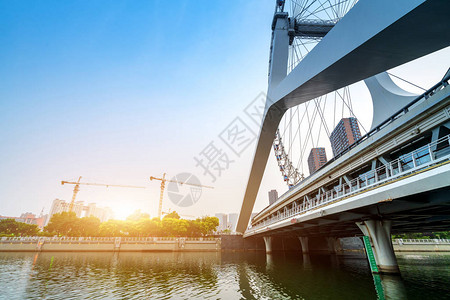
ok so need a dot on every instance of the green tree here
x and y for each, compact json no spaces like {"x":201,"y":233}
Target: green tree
{"x":88,"y":226}
{"x":441,"y":235}
{"x":65,"y":223}
{"x":132,"y":228}
{"x":423,"y":235}
{"x":172,"y":215}
{"x":195,"y":228}
{"x":10,"y":227}
{"x":112,"y":228}
{"x":209,"y":224}
{"x":137,"y":225}
{"x":174,"y":227}
{"x":149,"y":227}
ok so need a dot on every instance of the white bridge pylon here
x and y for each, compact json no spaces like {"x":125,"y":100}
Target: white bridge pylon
{"x":374,"y":36}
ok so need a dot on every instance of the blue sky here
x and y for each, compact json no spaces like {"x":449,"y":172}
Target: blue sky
{"x":117,"y":91}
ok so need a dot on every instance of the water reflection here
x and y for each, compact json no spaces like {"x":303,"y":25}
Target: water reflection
{"x":306,"y":261}
{"x":252,"y":275}
{"x":269,"y":262}
{"x":392,"y":287}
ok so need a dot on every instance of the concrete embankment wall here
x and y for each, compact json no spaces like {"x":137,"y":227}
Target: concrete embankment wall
{"x":238,"y":243}
{"x":219,"y":243}
{"x":109,"y":245}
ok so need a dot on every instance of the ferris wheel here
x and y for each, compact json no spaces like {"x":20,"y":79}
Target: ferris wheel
{"x":310,"y":21}
{"x":310,"y":125}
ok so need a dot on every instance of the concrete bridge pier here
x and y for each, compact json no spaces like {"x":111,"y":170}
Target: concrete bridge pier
{"x":304,"y":242}
{"x":331,"y":244}
{"x":268,"y":243}
{"x":379,"y":232}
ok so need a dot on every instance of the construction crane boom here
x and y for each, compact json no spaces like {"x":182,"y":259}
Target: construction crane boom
{"x":163,"y":186}
{"x":180,"y":182}
{"x":77,"y":184}
{"x":103,"y":184}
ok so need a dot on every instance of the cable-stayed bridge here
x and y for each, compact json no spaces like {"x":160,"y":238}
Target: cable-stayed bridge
{"x":396,"y":178}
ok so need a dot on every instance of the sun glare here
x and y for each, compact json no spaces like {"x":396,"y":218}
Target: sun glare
{"x":122,"y":210}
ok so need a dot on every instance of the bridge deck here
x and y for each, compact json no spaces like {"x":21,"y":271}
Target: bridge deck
{"x":409,"y":175}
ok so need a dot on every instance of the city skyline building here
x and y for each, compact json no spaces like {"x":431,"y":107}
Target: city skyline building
{"x":81,"y":210}
{"x":223,"y":221}
{"x":344,"y":134}
{"x":316,"y":159}
{"x":273,"y":196}
{"x":228,"y":221}
{"x":232,"y":221}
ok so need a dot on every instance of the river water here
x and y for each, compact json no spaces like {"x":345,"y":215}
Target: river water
{"x":218,"y":276}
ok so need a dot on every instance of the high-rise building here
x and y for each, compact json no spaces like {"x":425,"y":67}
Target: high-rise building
{"x":59,"y":206}
{"x":346,"y":133}
{"x":273,"y":196}
{"x":317,"y":158}
{"x":223,"y":222}
{"x":232,"y":221}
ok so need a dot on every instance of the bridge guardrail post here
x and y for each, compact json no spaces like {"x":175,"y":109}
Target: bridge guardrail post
{"x":117,"y":243}
{"x":39,"y":244}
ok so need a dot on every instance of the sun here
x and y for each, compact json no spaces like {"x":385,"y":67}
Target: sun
{"x":122,"y":210}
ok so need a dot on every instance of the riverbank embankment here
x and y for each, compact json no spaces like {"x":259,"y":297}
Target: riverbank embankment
{"x":182,"y":244}
{"x":108,"y":244}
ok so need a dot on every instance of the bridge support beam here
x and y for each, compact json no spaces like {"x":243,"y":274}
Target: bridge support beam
{"x":379,"y":233}
{"x":304,"y":242}
{"x":268,"y":242}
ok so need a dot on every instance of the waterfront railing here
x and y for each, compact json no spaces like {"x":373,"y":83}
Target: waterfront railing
{"x":421,"y":241}
{"x":103,"y":239}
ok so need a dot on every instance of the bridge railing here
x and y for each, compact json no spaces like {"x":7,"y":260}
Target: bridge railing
{"x":419,"y":159}
{"x":421,"y":241}
{"x":101,"y":239}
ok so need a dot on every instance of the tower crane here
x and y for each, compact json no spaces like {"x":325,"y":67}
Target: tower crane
{"x":77,"y":184}
{"x":163,"y":186}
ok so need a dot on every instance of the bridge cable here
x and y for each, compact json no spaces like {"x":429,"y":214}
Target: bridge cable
{"x":407,"y":81}
{"x":299,"y":122}
{"x":351,"y":111}
{"x":309,"y":133}
{"x":322,"y":117}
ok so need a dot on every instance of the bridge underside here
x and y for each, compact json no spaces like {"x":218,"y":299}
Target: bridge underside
{"x":423,"y":212}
